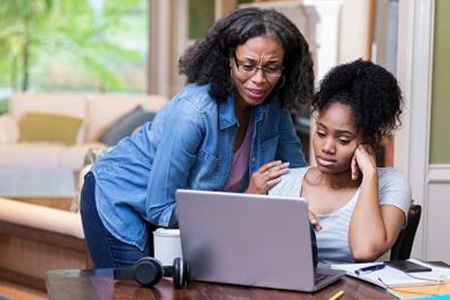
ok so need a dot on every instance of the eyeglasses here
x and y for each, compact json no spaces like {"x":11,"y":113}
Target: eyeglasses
{"x":248,"y":71}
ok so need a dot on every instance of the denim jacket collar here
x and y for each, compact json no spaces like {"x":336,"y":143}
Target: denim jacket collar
{"x":227,"y":116}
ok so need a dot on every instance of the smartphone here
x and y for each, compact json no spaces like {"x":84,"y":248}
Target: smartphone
{"x":407,"y":266}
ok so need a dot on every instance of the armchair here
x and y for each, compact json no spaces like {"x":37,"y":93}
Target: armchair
{"x":403,"y":246}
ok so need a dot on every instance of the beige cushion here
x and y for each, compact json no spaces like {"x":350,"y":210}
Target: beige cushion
{"x":74,"y":105}
{"x":98,"y":112}
{"x":30,"y":155}
{"x":45,"y":155}
{"x":66,"y":104}
{"x":113,"y":108}
{"x":9,"y":130}
{"x":73,"y":157}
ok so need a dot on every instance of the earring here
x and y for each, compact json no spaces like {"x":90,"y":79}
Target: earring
{"x":282,"y":84}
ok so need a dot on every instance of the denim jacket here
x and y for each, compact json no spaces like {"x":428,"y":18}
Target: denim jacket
{"x":189,"y":145}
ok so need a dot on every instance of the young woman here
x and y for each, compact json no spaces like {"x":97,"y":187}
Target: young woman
{"x":228,"y":129}
{"x":357,"y":209}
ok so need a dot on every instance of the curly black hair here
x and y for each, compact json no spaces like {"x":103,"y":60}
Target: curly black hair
{"x":207,"y":61}
{"x":370,"y":91}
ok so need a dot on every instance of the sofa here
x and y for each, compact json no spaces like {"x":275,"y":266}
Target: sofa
{"x":96,"y":113}
{"x":35,"y":238}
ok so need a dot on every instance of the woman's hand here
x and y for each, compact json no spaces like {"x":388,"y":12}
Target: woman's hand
{"x":314,"y":221}
{"x":266,"y":177}
{"x":363,"y":162}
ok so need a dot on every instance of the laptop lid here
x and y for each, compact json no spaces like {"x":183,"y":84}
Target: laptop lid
{"x":244,"y":239}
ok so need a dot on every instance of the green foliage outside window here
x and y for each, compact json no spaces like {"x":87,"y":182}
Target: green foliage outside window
{"x":4,"y":105}
{"x":245,"y":1}
{"x":73,"y":44}
{"x":201,"y":17}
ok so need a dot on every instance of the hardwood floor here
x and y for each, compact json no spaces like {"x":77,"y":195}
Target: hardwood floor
{"x":14,"y":291}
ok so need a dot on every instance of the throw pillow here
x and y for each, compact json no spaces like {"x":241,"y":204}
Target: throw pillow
{"x":91,"y":156}
{"x":126,"y":125}
{"x":47,"y":127}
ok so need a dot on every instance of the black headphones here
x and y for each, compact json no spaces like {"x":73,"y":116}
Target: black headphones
{"x":148,"y":271}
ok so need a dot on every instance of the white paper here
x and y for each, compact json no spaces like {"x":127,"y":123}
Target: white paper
{"x":390,"y":277}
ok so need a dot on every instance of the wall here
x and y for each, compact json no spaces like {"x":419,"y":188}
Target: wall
{"x":422,"y":71}
{"x":437,"y":240}
{"x":356,"y":29}
{"x":440,"y":108}
{"x":437,"y":235}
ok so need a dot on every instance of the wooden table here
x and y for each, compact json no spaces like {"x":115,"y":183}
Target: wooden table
{"x":98,"y":284}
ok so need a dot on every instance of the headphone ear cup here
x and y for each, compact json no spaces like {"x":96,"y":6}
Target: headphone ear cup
{"x":187,"y":272}
{"x":181,"y":273}
{"x":148,"y":271}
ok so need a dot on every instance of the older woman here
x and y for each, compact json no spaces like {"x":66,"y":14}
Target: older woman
{"x":228,"y":129}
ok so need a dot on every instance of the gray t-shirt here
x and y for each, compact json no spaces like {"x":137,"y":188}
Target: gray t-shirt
{"x":332,"y":240}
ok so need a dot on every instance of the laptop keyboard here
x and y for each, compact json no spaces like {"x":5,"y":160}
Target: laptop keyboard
{"x":319,"y":277}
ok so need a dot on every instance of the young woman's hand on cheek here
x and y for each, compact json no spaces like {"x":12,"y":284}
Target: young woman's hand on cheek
{"x":354,"y":168}
{"x":266,"y":177}
{"x":365,"y":160}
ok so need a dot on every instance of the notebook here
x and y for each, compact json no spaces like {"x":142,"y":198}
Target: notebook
{"x":252,"y":240}
{"x":389,"y":277}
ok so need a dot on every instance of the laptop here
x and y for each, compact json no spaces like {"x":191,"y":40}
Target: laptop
{"x":252,"y":240}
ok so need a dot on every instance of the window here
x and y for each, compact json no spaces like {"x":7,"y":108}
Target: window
{"x":88,"y":45}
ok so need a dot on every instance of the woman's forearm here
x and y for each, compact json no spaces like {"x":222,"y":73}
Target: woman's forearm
{"x":367,"y":232}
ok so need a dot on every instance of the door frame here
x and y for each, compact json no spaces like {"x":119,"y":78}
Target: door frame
{"x":414,"y":72}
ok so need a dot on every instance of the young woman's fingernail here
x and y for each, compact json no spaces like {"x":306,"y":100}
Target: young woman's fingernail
{"x":287,"y":164}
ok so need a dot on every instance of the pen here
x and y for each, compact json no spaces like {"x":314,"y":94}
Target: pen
{"x":337,"y":295}
{"x":369,"y":269}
